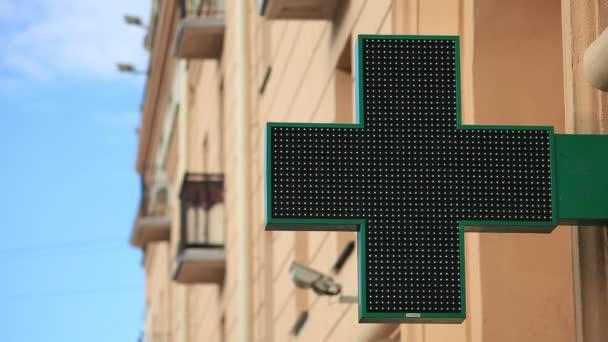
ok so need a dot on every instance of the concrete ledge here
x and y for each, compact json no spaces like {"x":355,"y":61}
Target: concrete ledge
{"x":298,"y":9}
{"x":150,"y":229}
{"x":195,"y":265}
{"x":199,"y":38}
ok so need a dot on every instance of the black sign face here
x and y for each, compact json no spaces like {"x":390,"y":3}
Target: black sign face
{"x":408,"y":176}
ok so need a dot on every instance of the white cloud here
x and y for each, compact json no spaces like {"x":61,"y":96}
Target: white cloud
{"x":27,"y":65}
{"x":7,"y":9}
{"x":50,"y":39}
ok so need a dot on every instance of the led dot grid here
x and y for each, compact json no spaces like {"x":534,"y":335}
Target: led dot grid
{"x":411,"y":174}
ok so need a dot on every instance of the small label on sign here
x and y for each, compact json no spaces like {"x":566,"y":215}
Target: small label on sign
{"x":413,"y":315}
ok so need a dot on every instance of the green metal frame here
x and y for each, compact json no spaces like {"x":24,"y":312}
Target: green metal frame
{"x":569,"y":146}
{"x":581,"y":179}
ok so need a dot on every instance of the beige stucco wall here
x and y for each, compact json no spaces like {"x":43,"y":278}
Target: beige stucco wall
{"x":519,"y":286}
{"x":304,"y":57}
{"x":511,"y":62}
{"x":517,"y":78}
{"x":156,"y":263}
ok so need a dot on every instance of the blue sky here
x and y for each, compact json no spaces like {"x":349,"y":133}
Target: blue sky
{"x":69,"y":189}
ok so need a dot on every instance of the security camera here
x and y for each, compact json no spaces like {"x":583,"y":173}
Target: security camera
{"x":305,"y":277}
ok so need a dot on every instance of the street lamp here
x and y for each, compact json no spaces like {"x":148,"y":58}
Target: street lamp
{"x":134,"y":20}
{"x":128,"y":68}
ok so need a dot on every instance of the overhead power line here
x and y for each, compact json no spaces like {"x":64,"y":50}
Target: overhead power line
{"x":63,"y":245}
{"x":75,"y":292}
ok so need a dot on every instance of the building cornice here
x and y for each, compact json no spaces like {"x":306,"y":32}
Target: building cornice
{"x":160,"y":56}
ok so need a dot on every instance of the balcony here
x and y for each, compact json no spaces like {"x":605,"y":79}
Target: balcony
{"x":150,"y":229}
{"x":298,"y":9}
{"x":153,"y":222}
{"x":200,"y":31}
{"x":200,"y":257}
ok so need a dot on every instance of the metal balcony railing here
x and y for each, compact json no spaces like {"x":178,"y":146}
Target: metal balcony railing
{"x":200,"y":257}
{"x":201,"y":8}
{"x":202,"y":211}
{"x":156,"y":205}
{"x":152,"y":222}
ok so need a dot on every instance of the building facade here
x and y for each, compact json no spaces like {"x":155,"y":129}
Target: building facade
{"x":220,"y":70}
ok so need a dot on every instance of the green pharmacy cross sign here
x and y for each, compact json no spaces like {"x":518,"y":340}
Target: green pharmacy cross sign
{"x":411,"y":178}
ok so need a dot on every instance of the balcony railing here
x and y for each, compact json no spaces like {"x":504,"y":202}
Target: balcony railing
{"x":152,"y":223}
{"x":200,"y":33}
{"x":298,"y":9}
{"x":201,"y":8}
{"x":200,"y":257}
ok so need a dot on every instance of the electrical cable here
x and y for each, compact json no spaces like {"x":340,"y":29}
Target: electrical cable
{"x":75,"y":244}
{"x":73,"y":292}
